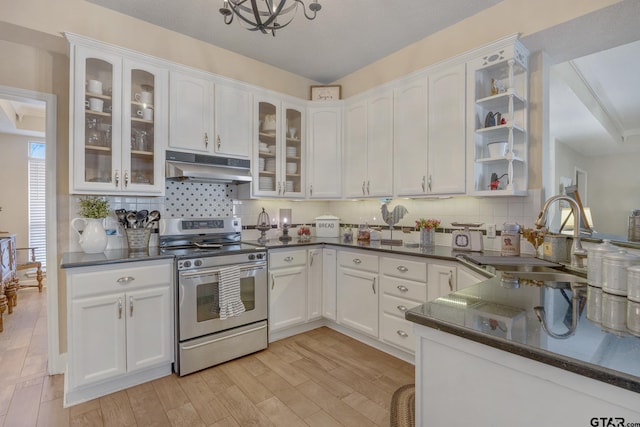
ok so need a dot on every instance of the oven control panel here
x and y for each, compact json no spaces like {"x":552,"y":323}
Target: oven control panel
{"x":221,"y":261}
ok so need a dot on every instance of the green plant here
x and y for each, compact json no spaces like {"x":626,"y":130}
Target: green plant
{"x":94,"y":207}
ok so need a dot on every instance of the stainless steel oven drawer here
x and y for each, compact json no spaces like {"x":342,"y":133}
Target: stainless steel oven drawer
{"x":204,"y":352}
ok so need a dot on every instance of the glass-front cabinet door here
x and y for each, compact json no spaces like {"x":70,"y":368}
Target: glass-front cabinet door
{"x":143,"y":128}
{"x":96,"y":108}
{"x":268,"y":150}
{"x":118,"y":124}
{"x":293,"y":152}
{"x":280,"y":151}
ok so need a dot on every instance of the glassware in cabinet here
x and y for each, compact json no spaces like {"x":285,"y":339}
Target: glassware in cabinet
{"x":142,"y":133}
{"x":268,"y":158}
{"x":293,"y":151}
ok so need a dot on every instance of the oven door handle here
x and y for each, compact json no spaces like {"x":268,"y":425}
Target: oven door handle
{"x":260,"y":266}
{"x":224,"y":338}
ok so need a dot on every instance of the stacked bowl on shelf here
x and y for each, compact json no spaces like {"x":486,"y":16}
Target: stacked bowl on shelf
{"x":292,"y":152}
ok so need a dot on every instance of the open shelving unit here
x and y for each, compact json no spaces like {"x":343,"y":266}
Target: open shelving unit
{"x":499,"y":85}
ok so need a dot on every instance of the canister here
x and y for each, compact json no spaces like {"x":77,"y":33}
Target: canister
{"x":614,"y":312}
{"x":510,"y":239}
{"x":634,"y":228}
{"x":594,"y":262}
{"x":633,"y":317}
{"x":594,"y":304}
{"x":633,"y":283}
{"x":327,"y":226}
{"x":614,"y":271}
{"x":554,"y":248}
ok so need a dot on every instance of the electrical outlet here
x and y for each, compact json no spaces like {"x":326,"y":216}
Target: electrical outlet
{"x":491,"y":231}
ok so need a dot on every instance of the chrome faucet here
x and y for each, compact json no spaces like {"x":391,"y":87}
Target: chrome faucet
{"x":576,"y":289}
{"x":577,"y":252}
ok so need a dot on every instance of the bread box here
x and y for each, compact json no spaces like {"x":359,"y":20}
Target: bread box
{"x":327,"y":226}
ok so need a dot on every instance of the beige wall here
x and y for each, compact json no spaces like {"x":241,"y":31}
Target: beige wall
{"x":14,"y":197}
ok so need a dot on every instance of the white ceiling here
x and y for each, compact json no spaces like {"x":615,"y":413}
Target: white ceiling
{"x":345,"y":36}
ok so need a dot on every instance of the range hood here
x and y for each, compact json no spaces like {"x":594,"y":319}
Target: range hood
{"x":202,"y":168}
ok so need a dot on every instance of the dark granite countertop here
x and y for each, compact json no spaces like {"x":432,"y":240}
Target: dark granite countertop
{"x":116,"y":256}
{"x":494,"y":314}
{"x":437,"y":252}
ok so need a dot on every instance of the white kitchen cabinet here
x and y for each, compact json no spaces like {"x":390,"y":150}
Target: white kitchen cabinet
{"x":287,"y":289}
{"x":279,"y":149}
{"x":324,"y":154}
{"x":209,"y":117}
{"x":429,"y":133}
{"x":467,"y":277}
{"x":368,"y":147}
{"x":119,"y":326}
{"x":358,"y":289}
{"x":498,"y":82}
{"x":118,"y":121}
{"x":441,"y":279}
{"x":315,"y":277}
{"x":329,"y":283}
{"x":446,"y":131}
{"x":403,"y":285}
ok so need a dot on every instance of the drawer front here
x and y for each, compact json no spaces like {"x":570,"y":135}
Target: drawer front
{"x":92,"y":280}
{"x":397,"y":306}
{"x":399,"y":332}
{"x":410,"y":270}
{"x":404,"y":288}
{"x":358,"y":261}
{"x":287,"y":259}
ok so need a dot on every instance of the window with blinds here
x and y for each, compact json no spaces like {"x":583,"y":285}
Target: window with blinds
{"x":37,"y":199}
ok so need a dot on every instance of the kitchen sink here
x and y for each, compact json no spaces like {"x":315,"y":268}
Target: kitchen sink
{"x":540,"y":276}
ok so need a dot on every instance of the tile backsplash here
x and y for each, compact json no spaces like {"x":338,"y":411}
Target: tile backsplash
{"x":189,"y":199}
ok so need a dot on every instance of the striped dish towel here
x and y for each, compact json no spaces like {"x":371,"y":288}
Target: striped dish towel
{"x":229,"y":292}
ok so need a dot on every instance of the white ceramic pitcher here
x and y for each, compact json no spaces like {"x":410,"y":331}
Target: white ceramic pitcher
{"x":93,"y":238}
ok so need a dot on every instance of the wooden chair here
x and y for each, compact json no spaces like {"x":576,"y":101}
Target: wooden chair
{"x":29,"y":265}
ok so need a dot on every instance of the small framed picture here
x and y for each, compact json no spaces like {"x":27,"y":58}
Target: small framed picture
{"x":326,"y":93}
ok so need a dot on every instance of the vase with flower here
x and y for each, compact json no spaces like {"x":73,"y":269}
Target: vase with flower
{"x":427,"y":229}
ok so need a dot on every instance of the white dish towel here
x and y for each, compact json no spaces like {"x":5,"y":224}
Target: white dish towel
{"x":229,"y":292}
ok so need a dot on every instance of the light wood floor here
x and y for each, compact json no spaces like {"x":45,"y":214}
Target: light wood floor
{"x":319,"y":378}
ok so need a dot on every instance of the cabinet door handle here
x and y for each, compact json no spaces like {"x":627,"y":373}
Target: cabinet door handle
{"x":402,"y":288}
{"x":219,"y":142}
{"x":357,"y":261}
{"x":206,"y":140}
{"x":288,"y":259}
{"x":130,"y":306}
{"x":279,"y":187}
{"x":117,"y":178}
{"x":402,"y":269}
{"x":403,"y":334}
{"x":373,"y":285}
{"x":368,"y":187}
{"x":311,"y":255}
{"x":273,"y":282}
{"x":429,"y":183}
{"x":311,"y":190}
{"x":125,"y":280}
{"x":126,"y":178}
{"x":424,"y":179}
{"x":284,"y":188}
{"x":402,"y":308}
{"x":451,"y":280}
{"x":363,"y":193}
{"x":119,"y":308}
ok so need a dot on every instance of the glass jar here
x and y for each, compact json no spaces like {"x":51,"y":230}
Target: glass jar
{"x":510,"y":239}
{"x":594,"y":262}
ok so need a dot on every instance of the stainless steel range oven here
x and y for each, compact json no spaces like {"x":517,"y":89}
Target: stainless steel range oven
{"x":203,"y":247}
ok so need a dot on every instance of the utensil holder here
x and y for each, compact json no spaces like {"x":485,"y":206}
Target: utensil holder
{"x":138,"y":238}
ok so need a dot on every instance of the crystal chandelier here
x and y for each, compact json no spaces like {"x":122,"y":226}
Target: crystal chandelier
{"x":266,"y":15}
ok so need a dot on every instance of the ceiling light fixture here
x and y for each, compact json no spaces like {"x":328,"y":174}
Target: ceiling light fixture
{"x":263,"y":15}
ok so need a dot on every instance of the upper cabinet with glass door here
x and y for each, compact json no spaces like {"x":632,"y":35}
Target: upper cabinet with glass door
{"x":278,"y":160}
{"x":118,"y":122}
